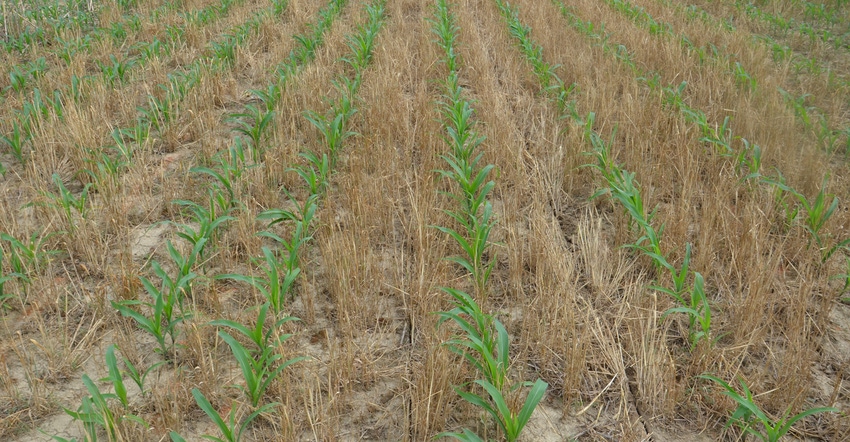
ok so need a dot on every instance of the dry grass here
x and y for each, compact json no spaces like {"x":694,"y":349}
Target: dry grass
{"x":578,"y":307}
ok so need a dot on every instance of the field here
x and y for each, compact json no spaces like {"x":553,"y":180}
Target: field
{"x":590,"y":220}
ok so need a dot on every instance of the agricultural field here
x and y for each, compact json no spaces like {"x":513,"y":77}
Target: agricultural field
{"x":400,"y":220}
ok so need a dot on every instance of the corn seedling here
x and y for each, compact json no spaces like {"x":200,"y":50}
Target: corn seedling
{"x":28,"y":258}
{"x":231,"y":166}
{"x":130,"y":370}
{"x":231,"y":430}
{"x":208,"y":221}
{"x":17,"y":79}
{"x":270,"y":97}
{"x":167,"y":300}
{"x":300,"y":235}
{"x":697,"y":308}
{"x":475,"y":243}
{"x":115,"y":376}
{"x":259,"y":366}
{"x":817,"y":213}
{"x":748,"y":162}
{"x":115,"y":71}
{"x":798,"y":104}
{"x":486,"y":347}
{"x":67,"y":202}
{"x":4,"y":278}
{"x":94,"y":411}
{"x":332,"y":128}
{"x":17,"y":139}
{"x":360,"y":45}
{"x":279,"y":6}
{"x":225,"y":51}
{"x":252,"y":123}
{"x":747,"y":416}
{"x":274,"y":286}
{"x":316,"y":174}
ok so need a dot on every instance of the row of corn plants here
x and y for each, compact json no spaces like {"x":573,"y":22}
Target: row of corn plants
{"x":26,"y":24}
{"x":717,"y":136}
{"x":747,"y":157}
{"x":263,"y":364}
{"x":27,"y":119}
{"x":709,"y":52}
{"x":800,"y":61}
{"x":622,"y":187}
{"x":280,"y":274}
{"x":812,"y":118}
{"x":162,"y":109}
{"x":784,"y":26}
{"x":259,"y":365}
{"x":484,"y":342}
{"x":66,"y":50}
{"x":252,"y":122}
{"x":621,"y":184}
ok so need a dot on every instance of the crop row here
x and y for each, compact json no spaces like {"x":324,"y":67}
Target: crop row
{"x":38,"y":23}
{"x":812,"y":118}
{"x":21,"y":138}
{"x":816,"y":11}
{"x":117,"y":70}
{"x":692,"y":298}
{"x":483,"y":342}
{"x":261,"y":362}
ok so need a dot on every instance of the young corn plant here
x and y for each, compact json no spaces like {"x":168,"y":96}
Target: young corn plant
{"x":231,"y":429}
{"x":333,"y":129}
{"x":95,"y":412}
{"x":301,"y":219}
{"x":752,"y":421}
{"x":697,"y":308}
{"x":817,"y":213}
{"x":166,"y":309}
{"x":208,"y":220}
{"x":316,"y":173}
{"x":17,"y":139}
{"x":276,"y":284}
{"x":252,"y":123}
{"x":485,"y":345}
{"x":67,"y":202}
{"x":136,"y":375}
{"x":260,"y":366}
{"x":115,"y":71}
{"x":28,"y":257}
{"x":5,"y":296}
